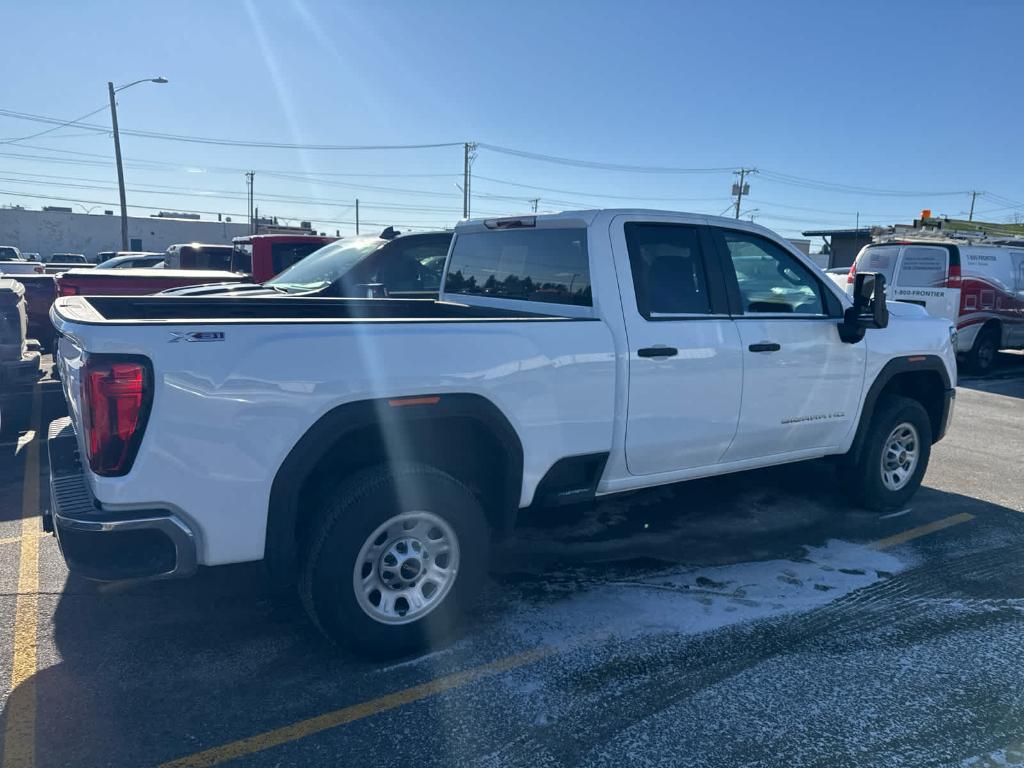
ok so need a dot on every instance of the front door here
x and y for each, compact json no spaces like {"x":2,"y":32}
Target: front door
{"x":685,"y":366}
{"x":801,"y":382}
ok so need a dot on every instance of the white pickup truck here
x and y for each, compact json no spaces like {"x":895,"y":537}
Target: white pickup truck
{"x":370,"y":447}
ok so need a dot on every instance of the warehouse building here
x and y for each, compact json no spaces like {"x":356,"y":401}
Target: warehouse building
{"x":60,"y":230}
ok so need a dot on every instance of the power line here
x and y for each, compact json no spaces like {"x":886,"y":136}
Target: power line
{"x":597,"y":194}
{"x":225,"y":142}
{"x":799,"y":181}
{"x":595,"y":164}
{"x":55,"y":128}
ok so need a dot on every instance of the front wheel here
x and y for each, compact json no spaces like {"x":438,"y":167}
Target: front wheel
{"x":982,"y":357}
{"x":894,"y":455}
{"x":396,"y":556}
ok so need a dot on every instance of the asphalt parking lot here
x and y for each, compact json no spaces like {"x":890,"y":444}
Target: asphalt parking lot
{"x":748,"y":620}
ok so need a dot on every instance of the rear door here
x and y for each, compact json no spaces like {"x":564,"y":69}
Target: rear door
{"x":685,"y":365}
{"x":801,"y":383}
{"x":922,"y":277}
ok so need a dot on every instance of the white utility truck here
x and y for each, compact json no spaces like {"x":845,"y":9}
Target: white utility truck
{"x":976,"y":283}
{"x":368,"y":448}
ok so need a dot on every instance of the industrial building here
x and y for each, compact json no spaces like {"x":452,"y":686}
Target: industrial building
{"x":60,"y":230}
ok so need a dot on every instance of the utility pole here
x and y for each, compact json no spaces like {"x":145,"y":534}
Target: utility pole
{"x":858,"y":221}
{"x":970,"y":217}
{"x":250,"y":182}
{"x":742,"y":188}
{"x":357,"y":215}
{"x":535,"y":201}
{"x":469,"y":152}
{"x":120,"y":168}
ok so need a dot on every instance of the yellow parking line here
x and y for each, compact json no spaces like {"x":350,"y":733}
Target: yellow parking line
{"x":304,"y":728}
{"x":20,"y":731}
{"x":921,"y":530}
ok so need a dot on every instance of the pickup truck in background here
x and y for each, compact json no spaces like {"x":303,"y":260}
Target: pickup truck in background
{"x":263,"y":256}
{"x":368,"y":448}
{"x":13,"y":263}
{"x":390,"y":264}
{"x":56,"y":263}
{"x":203,"y":256}
{"x":138,"y":281}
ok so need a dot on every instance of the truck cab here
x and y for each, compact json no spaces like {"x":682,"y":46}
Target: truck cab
{"x":264,"y":256}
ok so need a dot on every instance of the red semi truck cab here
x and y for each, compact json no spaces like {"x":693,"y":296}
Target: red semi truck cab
{"x":263,"y":256}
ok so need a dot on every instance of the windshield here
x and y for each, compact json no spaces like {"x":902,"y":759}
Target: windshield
{"x":326,"y":265}
{"x":8,"y":254}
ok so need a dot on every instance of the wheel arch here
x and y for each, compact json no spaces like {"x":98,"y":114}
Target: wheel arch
{"x":464,"y":434}
{"x":920,"y":377}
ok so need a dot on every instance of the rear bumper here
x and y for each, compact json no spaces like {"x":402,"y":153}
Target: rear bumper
{"x":109,"y":546}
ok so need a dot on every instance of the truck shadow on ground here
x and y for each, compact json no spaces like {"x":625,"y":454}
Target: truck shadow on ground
{"x":149,"y":672}
{"x":1005,"y":379}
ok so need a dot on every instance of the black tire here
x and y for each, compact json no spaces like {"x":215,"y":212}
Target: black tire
{"x":348,"y":516}
{"x":864,"y":473}
{"x":982,"y":357}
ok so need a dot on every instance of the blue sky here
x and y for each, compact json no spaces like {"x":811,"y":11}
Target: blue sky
{"x":904,"y":96}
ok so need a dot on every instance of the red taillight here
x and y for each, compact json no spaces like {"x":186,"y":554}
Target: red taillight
{"x":953,"y":281}
{"x":114,"y":410}
{"x":851,"y":274}
{"x":65,"y":290}
{"x":38,"y":270}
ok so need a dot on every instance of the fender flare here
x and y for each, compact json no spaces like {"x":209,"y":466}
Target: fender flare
{"x":281,"y":547}
{"x":892,"y":369}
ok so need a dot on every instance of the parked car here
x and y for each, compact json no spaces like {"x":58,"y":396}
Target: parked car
{"x":31,"y":256}
{"x":198,"y":256}
{"x":136,"y":281}
{"x":132,"y":260}
{"x":263,"y":256}
{"x":977,"y":285}
{"x":12,"y":262}
{"x":366,"y":447}
{"x":19,"y":362}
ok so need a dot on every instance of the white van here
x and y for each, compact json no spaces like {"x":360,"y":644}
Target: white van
{"x":979,"y":286}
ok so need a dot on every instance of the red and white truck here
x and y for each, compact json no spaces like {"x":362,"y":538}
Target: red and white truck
{"x":976,"y":283}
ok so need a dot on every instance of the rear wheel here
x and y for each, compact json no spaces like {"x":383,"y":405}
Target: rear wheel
{"x":982,"y":357}
{"x":396,"y":556}
{"x":894,"y":455}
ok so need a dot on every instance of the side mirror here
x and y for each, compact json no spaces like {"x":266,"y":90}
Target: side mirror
{"x":869,"y":309}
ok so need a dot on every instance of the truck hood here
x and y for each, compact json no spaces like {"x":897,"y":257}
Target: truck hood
{"x":904,"y":309}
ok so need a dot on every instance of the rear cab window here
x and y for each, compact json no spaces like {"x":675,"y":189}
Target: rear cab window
{"x":543,"y":265}
{"x":669,"y":276}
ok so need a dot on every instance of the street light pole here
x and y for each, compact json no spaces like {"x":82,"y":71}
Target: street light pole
{"x":120,"y":168}
{"x":117,"y":151}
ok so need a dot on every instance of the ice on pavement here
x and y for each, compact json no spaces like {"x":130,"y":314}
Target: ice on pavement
{"x":695,"y":600}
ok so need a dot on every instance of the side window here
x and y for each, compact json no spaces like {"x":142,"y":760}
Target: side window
{"x":668,"y":270}
{"x":545,"y":265}
{"x":415,"y":266}
{"x":771,"y":280}
{"x":922,"y":267}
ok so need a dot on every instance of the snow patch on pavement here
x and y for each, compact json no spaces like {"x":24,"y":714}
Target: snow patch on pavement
{"x":696,"y":600}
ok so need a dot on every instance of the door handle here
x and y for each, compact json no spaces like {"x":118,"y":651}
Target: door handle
{"x":657,"y":352}
{"x":765,"y":346}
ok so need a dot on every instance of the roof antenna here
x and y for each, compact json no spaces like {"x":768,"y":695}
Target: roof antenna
{"x":389,"y":234}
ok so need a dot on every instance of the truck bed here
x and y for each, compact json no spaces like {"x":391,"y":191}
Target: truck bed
{"x":98,"y":310}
